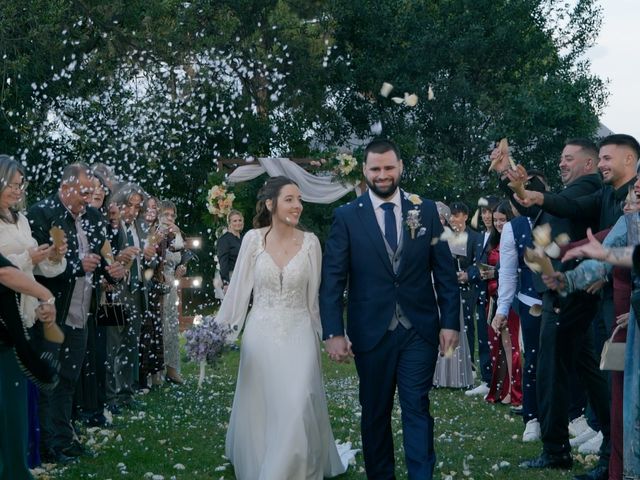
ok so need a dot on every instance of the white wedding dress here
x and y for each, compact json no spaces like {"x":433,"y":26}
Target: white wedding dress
{"x":279,"y":427}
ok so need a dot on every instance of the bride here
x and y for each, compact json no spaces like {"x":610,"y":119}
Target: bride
{"x":279,"y":427}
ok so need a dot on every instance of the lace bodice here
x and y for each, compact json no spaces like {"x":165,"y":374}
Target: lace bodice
{"x":280,"y":296}
{"x":281,"y":288}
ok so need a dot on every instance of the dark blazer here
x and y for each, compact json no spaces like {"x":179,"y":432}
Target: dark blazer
{"x":480,"y":256}
{"x":227,"y":249}
{"x":468,"y":263}
{"x":356,"y":257}
{"x":51,"y":212}
{"x":584,"y":186}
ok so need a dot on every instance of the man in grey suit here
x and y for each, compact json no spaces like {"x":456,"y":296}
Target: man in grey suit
{"x":123,"y":341}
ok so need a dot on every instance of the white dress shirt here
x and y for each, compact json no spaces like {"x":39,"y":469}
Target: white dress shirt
{"x":508,"y":273}
{"x":377,"y":202}
{"x":136,"y":243}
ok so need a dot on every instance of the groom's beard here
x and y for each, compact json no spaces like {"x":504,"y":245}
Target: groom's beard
{"x":385,"y":192}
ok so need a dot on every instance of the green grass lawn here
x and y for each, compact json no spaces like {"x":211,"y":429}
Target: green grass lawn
{"x":180,"y":433}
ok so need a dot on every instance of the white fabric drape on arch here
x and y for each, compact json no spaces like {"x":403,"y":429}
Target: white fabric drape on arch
{"x":314,"y":189}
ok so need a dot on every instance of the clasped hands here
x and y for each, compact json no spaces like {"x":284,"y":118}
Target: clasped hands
{"x":339,"y":348}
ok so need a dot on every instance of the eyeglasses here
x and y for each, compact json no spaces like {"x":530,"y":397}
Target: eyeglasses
{"x":18,"y":186}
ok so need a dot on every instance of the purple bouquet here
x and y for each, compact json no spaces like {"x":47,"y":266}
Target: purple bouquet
{"x":206,"y":339}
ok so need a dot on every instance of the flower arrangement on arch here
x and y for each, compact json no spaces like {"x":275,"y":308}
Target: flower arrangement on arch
{"x":344,"y":167}
{"x":219,"y":201}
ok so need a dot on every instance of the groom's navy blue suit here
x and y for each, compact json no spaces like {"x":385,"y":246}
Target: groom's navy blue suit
{"x":356,"y":257}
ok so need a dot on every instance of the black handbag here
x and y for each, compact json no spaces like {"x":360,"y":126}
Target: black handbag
{"x":110,"y":314}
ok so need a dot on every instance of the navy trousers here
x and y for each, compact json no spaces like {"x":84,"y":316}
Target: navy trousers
{"x":404,"y":360}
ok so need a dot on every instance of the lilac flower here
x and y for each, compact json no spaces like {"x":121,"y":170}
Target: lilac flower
{"x":206,"y":340}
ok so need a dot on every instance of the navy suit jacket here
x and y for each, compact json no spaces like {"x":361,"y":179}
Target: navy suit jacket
{"x":481,"y":254}
{"x":355,"y":257}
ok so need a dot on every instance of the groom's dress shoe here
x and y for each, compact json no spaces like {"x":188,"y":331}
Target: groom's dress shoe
{"x":549,"y":460}
{"x":599,"y":472}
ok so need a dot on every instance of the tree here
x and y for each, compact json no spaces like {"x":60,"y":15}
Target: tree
{"x":160,"y":90}
{"x":498,"y":68}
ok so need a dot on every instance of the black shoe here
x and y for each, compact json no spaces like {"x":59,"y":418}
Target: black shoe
{"x":516,"y":410}
{"x":74,"y":449}
{"x":133,"y":405}
{"x":549,"y":460}
{"x":114,"y":409}
{"x":56,"y":456}
{"x":599,"y":472}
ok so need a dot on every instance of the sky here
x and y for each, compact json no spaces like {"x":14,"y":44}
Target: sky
{"x":616,"y":57}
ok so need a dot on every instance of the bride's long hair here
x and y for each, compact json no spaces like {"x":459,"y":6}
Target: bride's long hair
{"x":269,"y":191}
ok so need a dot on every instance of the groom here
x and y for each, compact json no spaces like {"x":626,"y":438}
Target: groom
{"x":383,"y":247}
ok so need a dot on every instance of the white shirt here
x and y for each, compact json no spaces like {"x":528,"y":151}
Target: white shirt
{"x":508,"y":273}
{"x":15,"y":241}
{"x":131,"y":228}
{"x":377,"y":202}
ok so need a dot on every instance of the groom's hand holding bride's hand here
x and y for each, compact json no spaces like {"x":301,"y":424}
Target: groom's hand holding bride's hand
{"x":448,"y":341}
{"x":338,"y":348}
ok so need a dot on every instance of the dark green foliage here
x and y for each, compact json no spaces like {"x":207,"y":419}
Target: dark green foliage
{"x":161,"y":90}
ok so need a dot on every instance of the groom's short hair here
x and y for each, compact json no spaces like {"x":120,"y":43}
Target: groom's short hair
{"x":381,"y":145}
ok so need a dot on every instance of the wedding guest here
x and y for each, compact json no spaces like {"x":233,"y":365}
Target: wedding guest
{"x":279,"y":426}
{"x":22,"y":250}
{"x":136,"y":254}
{"x":516,"y":289}
{"x":486,"y":205}
{"x":84,"y":228}
{"x":618,"y":156}
{"x":105,"y":172}
{"x":506,"y":378}
{"x":454,"y":371}
{"x":38,"y":366}
{"x":150,"y":213}
{"x":465,"y":259}
{"x":608,"y":257}
{"x":151,"y":349}
{"x":173,"y":270}
{"x":89,"y":400}
{"x":565,"y":321}
{"x":100,"y":192}
{"x":112,"y":295}
{"x":228,"y":246}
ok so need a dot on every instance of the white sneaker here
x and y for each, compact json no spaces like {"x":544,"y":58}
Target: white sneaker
{"x":481,"y":389}
{"x":531,"y":431}
{"x":585,"y":436}
{"x":591,"y":446}
{"x":577,"y":426}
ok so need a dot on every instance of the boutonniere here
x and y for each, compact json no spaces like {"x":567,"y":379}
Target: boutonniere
{"x":413,"y":215}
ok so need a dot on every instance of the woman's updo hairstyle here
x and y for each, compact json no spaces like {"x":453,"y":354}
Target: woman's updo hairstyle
{"x":233,"y":213}
{"x":269,"y":191}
